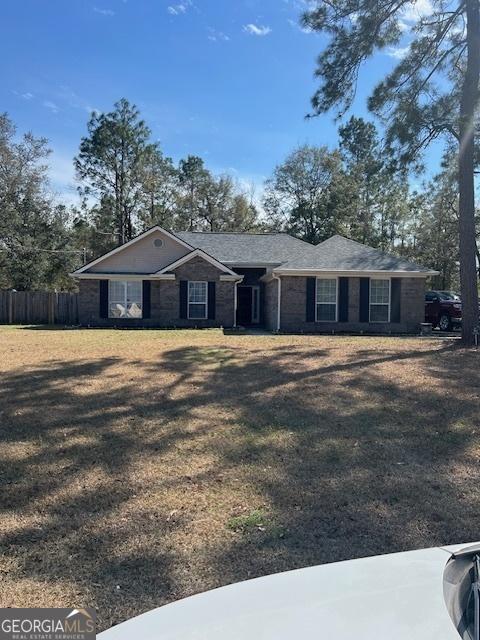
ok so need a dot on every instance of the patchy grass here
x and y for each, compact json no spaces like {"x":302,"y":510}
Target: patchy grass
{"x":248,"y":522}
{"x":139,"y":467}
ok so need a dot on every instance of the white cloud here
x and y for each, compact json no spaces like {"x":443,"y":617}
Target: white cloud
{"x":180,"y":8}
{"x":48,"y":104}
{"x":176,"y":9}
{"x":216,"y":36}
{"x":26,"y":96}
{"x":410,"y":14}
{"x":104,"y":12}
{"x":256,"y":30}
{"x":398,"y":52}
{"x":417,"y":9}
{"x":414,"y":11}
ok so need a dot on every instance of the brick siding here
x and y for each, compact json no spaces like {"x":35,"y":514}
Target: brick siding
{"x":293,"y":309}
{"x":271,"y":298}
{"x":164,"y":300}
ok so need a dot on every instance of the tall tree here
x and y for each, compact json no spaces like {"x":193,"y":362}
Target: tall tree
{"x":223,"y":207}
{"x":34,"y":242}
{"x":394,"y":213}
{"x":379,"y":203}
{"x":242,"y":214}
{"x":307,"y":193}
{"x":360,"y":151}
{"x":192,"y":176}
{"x":207,"y":202}
{"x":214,"y":197}
{"x":433,"y":91}
{"x":159,"y":189}
{"x":437,"y":229}
{"x":93,"y":227}
{"x":110,"y":163}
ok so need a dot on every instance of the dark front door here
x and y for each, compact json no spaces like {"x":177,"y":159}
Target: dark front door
{"x":244,"y":306}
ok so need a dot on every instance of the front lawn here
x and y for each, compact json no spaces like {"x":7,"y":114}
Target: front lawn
{"x":139,"y":467}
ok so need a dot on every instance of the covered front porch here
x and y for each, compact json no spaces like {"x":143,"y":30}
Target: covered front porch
{"x":250,"y":297}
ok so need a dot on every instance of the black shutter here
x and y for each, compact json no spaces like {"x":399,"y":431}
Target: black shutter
{"x":311,"y":290}
{"x":343,"y":299}
{"x":364,"y":299}
{"x":183,"y":298}
{"x":396,"y":284}
{"x":103,"y":297}
{"x":146,"y":298}
{"x":211,"y":300}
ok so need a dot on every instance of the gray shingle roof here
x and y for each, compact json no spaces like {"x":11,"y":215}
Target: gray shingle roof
{"x":286,"y":252}
{"x":341,"y":254}
{"x":247,"y":248}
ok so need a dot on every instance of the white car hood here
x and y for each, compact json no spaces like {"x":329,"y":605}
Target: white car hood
{"x":397,"y":596}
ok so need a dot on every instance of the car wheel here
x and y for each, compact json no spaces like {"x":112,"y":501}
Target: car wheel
{"x":445,"y":323}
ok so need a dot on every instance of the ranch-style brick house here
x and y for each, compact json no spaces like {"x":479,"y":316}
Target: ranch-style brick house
{"x":270,"y":280}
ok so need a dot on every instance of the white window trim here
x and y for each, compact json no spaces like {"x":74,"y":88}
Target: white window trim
{"x":205,"y":282}
{"x":379,"y":304}
{"x":336,"y":298}
{"x":125,"y":297}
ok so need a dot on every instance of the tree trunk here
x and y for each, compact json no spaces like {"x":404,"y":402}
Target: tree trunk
{"x":468,"y":105}
{"x":119,"y":239}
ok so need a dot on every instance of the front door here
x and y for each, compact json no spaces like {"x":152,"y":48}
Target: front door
{"x":244,"y":306}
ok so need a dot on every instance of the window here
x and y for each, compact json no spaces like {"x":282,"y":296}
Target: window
{"x":326,"y":300}
{"x":197,"y":300}
{"x":379,"y":300}
{"x":125,"y":299}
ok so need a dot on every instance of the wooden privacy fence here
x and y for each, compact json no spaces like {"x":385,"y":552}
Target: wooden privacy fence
{"x":38,"y":307}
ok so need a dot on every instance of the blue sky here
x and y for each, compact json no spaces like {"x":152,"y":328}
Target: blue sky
{"x":229,"y":80}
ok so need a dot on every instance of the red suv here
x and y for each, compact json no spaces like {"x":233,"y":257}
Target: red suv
{"x":443,"y":309}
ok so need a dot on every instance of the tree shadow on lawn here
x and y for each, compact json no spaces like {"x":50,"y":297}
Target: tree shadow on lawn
{"x":64,"y":481}
{"x":105,"y":466}
{"x":350,"y":462}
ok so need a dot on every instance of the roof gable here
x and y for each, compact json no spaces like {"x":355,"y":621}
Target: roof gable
{"x":140,"y":255}
{"x":193,"y":254}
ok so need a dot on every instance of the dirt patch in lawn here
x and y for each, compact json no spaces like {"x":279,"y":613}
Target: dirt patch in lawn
{"x":141,"y":467}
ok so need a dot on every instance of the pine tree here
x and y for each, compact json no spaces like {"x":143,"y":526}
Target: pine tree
{"x":432,"y":92}
{"x":110,"y":163}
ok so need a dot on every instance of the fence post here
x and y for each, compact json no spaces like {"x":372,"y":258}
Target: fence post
{"x":51,"y":308}
{"x":10,"y":307}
